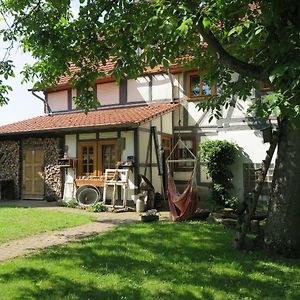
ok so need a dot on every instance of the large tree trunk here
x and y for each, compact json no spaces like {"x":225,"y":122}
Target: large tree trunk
{"x":282,"y":233}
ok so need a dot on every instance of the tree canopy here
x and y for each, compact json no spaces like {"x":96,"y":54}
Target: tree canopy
{"x":258,"y":40}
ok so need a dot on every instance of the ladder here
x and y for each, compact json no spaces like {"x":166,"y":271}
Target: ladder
{"x":154,"y":136}
{"x":248,"y":211}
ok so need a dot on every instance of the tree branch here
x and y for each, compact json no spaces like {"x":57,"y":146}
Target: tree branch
{"x":233,"y":63}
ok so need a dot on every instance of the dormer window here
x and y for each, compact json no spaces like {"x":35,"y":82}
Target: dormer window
{"x":198,"y":89}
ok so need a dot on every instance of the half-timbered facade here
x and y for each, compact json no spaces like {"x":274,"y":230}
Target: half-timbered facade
{"x":157,"y":107}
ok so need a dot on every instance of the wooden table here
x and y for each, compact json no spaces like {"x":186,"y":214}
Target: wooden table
{"x":95,"y":182}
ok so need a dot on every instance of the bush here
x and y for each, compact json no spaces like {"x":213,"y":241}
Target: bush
{"x":71,"y":203}
{"x":97,"y":207}
{"x":218,"y":156}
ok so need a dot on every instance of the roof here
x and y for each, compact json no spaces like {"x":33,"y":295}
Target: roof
{"x":106,"y":69}
{"x":120,"y":117}
{"x":109,"y":67}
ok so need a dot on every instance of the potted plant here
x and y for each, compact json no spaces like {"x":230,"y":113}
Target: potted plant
{"x":150,"y":216}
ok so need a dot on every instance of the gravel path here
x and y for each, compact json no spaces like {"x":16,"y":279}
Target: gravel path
{"x":103,"y":223}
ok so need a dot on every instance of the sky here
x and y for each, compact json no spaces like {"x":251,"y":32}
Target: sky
{"x":22,"y":104}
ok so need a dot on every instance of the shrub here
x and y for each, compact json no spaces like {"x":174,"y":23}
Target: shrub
{"x":71,"y":203}
{"x":218,"y":156}
{"x":97,"y":207}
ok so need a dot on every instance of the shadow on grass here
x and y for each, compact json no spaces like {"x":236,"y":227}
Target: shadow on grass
{"x":152,"y":261}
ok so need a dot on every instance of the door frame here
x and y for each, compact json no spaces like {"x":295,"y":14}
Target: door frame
{"x":32,"y":196}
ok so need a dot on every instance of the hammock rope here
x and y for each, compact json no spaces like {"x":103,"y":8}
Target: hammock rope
{"x":182,"y":206}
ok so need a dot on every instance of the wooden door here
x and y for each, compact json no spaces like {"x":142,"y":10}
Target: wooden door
{"x":33,"y":173}
{"x":108,"y":155}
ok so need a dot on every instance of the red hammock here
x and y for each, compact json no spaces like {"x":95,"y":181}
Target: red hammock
{"x":182,"y":206}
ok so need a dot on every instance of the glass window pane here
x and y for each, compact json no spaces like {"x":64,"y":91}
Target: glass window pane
{"x":206,"y":90}
{"x":195,"y":86}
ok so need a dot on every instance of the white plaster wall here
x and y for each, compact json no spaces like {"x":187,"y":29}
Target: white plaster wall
{"x":129,"y":144}
{"x":156,"y":180}
{"x":196,"y":116}
{"x":108,"y":93}
{"x":240,"y":109}
{"x":250,"y":141}
{"x":129,"y":151}
{"x":156,"y":122}
{"x":178,"y":115}
{"x":70,"y":142}
{"x":74,"y":94}
{"x":143,"y":145}
{"x":58,"y":101}
{"x":138,"y":89}
{"x":161,"y":87}
{"x":108,"y":135}
{"x":145,"y":125}
{"x":87,"y":136}
{"x":178,"y":80}
{"x":250,"y":149}
{"x":167,"y":126}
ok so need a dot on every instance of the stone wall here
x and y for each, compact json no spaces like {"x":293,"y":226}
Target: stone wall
{"x":10,"y":165}
{"x":53,"y":173}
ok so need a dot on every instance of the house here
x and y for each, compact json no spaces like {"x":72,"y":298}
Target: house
{"x":136,"y":121}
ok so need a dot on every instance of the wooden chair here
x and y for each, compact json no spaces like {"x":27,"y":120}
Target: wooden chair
{"x":114,"y":178}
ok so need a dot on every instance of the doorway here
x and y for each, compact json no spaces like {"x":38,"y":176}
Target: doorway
{"x":33,"y":173}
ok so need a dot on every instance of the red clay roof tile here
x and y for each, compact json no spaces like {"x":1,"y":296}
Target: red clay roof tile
{"x":121,"y":116}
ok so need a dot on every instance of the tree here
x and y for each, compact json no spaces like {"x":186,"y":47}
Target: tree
{"x":259,"y":40}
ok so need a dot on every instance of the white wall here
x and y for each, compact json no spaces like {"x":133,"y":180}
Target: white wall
{"x":108,"y":135}
{"x":251,"y":149}
{"x":161,"y":87}
{"x":167,"y":126}
{"x":108,"y":93}
{"x":58,"y":101}
{"x":70,"y":142}
{"x":74,"y":94}
{"x":138,"y":89}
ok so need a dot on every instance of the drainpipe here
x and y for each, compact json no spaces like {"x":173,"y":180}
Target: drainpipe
{"x":172,"y":85}
{"x":47,"y":109}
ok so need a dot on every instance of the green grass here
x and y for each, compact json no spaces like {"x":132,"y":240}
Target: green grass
{"x":16,"y":223}
{"x":152,"y":261}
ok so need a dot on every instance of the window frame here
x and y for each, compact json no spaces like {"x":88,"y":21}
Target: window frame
{"x":178,"y":168}
{"x":213,"y":88}
{"x":80,"y":161}
{"x":97,"y":155}
{"x":100,"y":153}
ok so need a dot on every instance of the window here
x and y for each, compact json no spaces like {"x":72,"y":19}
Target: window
{"x":183,"y":153}
{"x":108,"y":155}
{"x":264,"y":86}
{"x":166,"y":145}
{"x":94,"y":157}
{"x":87,"y":159}
{"x":197,"y":88}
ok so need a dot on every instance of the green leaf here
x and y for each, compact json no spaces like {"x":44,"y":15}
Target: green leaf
{"x":206,"y":22}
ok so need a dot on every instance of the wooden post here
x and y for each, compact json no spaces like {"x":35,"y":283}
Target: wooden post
{"x":251,"y":207}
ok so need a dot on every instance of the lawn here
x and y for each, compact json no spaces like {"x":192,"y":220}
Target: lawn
{"x":16,"y":222}
{"x":152,"y":261}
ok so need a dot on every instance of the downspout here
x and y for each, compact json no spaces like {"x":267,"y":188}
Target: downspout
{"x":172,"y":85}
{"x":47,"y":109}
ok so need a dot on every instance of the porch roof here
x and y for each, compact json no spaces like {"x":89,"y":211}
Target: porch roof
{"x":121,"y":117}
